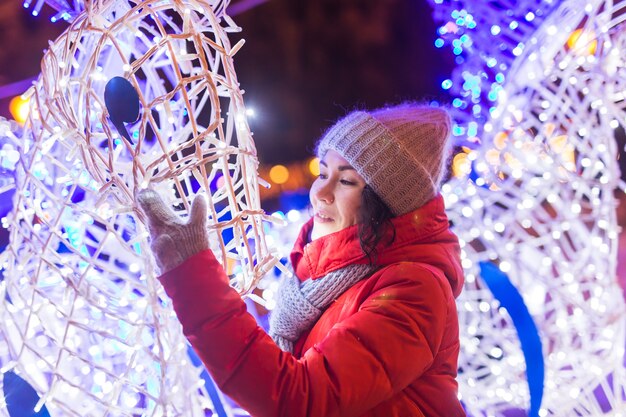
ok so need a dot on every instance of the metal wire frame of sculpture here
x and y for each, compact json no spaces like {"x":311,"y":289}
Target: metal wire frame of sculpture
{"x":83,"y":319}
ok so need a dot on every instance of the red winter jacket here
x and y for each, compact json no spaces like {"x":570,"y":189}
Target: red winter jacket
{"x":386,"y":347}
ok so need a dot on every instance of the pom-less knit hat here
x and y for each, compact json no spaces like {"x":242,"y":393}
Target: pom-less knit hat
{"x":400,"y":151}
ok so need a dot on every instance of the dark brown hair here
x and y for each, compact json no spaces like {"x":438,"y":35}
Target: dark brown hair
{"x":374,"y":224}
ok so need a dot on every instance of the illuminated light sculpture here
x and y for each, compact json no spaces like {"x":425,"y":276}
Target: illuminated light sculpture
{"x":537,"y":202}
{"x":83,"y":319}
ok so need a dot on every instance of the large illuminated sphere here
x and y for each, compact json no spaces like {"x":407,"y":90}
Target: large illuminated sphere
{"x":83,"y":319}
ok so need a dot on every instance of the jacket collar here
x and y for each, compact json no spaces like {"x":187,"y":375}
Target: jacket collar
{"x":317,"y":258}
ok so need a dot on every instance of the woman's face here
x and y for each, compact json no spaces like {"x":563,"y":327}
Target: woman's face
{"x":335,"y":195}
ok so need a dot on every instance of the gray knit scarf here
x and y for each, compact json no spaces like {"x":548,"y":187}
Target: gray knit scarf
{"x":299,"y":305}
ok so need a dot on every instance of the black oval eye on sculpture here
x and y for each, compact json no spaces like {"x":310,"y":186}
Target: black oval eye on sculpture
{"x":122,"y":102}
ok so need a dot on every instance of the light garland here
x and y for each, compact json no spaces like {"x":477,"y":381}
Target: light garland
{"x":282,"y":238}
{"x":540,"y":204}
{"x":486,"y":39}
{"x":83,"y":319}
{"x":68,"y":10}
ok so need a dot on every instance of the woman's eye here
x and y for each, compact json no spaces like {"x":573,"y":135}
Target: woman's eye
{"x":347,"y":182}
{"x":322,"y":176}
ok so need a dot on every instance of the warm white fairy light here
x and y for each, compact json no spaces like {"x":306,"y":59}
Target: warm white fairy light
{"x":9,"y":154}
{"x":82,"y":289}
{"x":549,"y":198}
{"x":281,"y":236}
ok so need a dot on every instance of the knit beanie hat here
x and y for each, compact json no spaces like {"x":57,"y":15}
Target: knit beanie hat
{"x":400,"y":151}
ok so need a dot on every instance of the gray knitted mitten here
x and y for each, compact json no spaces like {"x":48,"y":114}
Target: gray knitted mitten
{"x":172,"y":239}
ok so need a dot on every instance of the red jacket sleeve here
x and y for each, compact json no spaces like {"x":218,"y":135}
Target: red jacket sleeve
{"x":363,"y":361}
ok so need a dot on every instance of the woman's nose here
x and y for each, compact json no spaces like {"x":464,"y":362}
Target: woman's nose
{"x":324,"y":192}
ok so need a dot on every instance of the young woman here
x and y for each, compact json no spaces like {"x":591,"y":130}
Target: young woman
{"x":367,"y":326}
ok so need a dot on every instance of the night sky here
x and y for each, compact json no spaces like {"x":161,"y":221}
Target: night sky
{"x":304,"y":64}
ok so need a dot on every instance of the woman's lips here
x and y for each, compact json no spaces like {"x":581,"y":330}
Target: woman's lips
{"x":322,"y":218}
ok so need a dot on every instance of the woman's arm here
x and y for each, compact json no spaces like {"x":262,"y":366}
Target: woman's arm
{"x":363,"y":361}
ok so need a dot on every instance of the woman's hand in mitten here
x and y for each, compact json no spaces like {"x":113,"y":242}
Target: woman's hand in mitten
{"x":173,"y":240}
